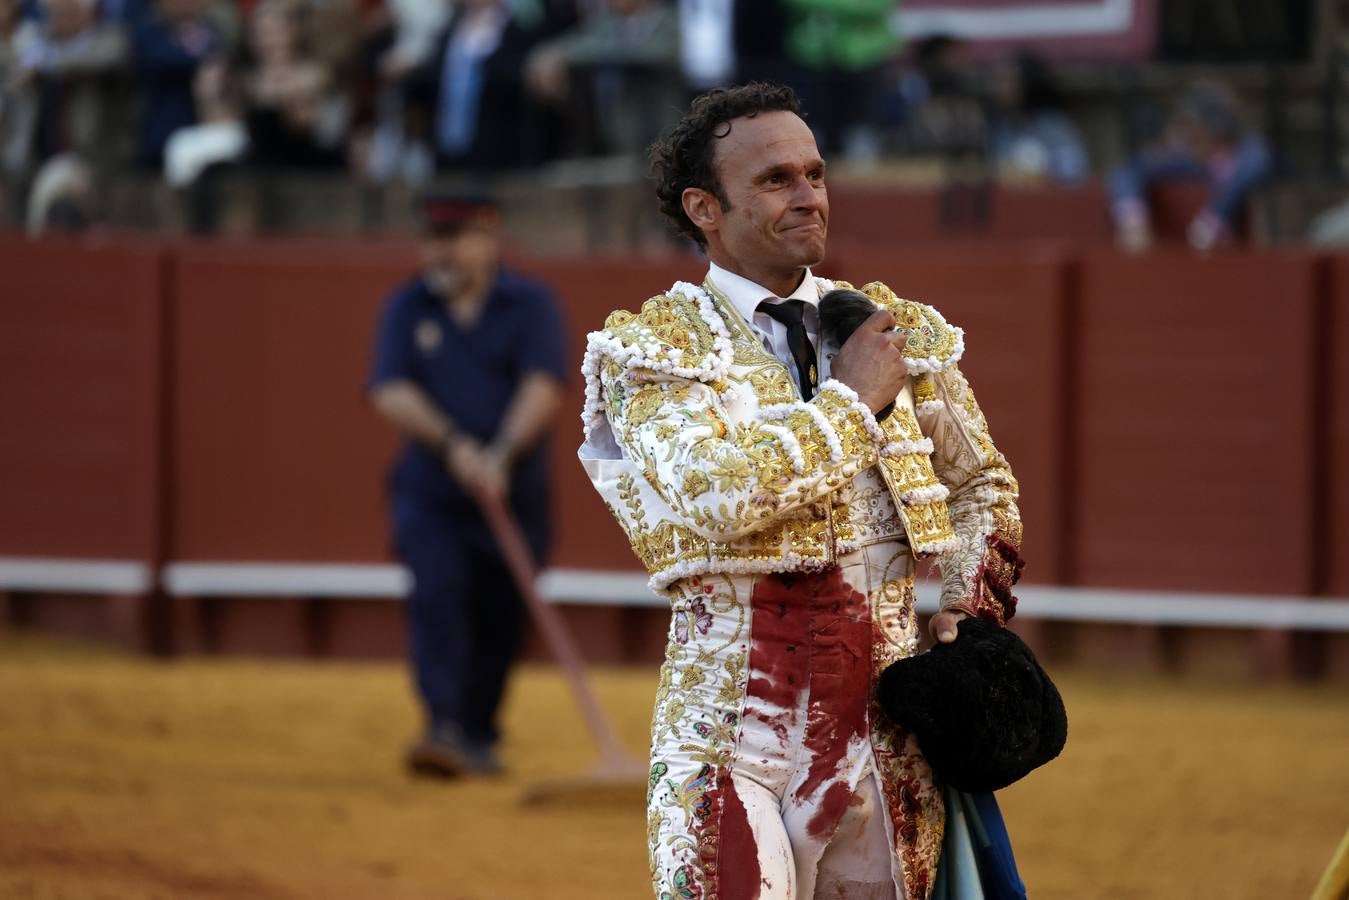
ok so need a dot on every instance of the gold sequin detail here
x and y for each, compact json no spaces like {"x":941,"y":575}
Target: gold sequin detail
{"x":929,"y":334}
{"x":696,"y":483}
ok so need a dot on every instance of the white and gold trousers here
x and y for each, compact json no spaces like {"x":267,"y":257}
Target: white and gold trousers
{"x":773,"y":774}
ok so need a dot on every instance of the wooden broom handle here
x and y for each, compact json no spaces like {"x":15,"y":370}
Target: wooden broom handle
{"x":523,"y":570}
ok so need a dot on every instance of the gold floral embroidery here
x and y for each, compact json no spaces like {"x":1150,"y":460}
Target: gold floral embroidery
{"x":644,"y":405}
{"x":814,"y":447}
{"x":692,"y":677}
{"x":1007,"y":524}
{"x":775,"y":476}
{"x":732,"y":471}
{"x":733,"y":684}
{"x":923,"y":391}
{"x":631,"y":497}
{"x":929,"y":523}
{"x":696,"y":483}
{"x":674,"y":713}
{"x":666,"y":681}
{"x":673,"y":321}
{"x":666,"y":544}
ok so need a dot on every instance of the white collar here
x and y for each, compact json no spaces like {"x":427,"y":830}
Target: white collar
{"x":746,"y":296}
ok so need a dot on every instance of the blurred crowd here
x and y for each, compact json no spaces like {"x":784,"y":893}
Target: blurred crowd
{"x":399,"y":91}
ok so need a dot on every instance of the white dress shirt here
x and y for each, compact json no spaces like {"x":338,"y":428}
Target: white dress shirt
{"x":746,"y":296}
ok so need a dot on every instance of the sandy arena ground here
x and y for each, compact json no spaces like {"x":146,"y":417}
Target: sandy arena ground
{"x":125,"y":778}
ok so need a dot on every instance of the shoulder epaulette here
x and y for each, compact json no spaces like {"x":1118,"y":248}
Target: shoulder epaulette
{"x":679,"y":333}
{"x":933,"y":344}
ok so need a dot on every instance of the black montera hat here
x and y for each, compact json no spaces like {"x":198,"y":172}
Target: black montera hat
{"x":983,"y":710}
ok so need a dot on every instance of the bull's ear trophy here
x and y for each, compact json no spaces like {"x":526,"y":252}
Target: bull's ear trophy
{"x":842,"y":311}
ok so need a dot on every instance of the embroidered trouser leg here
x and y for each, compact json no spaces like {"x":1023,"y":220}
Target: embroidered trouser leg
{"x":763,"y":782}
{"x":857,"y":863}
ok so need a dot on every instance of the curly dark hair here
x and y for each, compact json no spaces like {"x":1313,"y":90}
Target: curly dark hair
{"x":683,"y":158}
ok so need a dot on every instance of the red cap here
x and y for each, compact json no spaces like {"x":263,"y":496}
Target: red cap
{"x":451,"y":212}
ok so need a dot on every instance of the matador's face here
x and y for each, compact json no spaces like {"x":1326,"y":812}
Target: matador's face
{"x":773,"y":176}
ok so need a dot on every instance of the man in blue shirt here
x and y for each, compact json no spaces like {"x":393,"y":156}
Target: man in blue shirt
{"x":168,"y":48}
{"x":469,"y":364}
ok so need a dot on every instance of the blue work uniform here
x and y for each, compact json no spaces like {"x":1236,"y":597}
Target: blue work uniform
{"x":465,"y":615}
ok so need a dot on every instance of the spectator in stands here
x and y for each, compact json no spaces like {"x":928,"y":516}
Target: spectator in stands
{"x":472,"y":87}
{"x":468,"y":364}
{"x":73,"y":64}
{"x":707,"y":43}
{"x":332,"y":32}
{"x":169,"y":47}
{"x":1030,"y":135}
{"x":760,"y":38}
{"x":398,"y":145}
{"x":1330,"y":227}
{"x":936,"y":105}
{"x":18,"y":100}
{"x":62,"y":199}
{"x":838,"y":50}
{"x":294,"y":118}
{"x":468,"y":100}
{"x":414,"y":28}
{"x":274,"y":110}
{"x":1206,"y":140}
{"x":277,"y":107}
{"x":219,"y":137}
{"x":625,"y":59}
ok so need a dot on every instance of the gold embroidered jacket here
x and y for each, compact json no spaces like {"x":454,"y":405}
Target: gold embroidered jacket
{"x":701,"y":447}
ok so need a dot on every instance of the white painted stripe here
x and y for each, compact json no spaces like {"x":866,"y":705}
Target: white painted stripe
{"x":1064,"y":20}
{"x":590,"y":586}
{"x":596,"y":587}
{"x":1162,"y":608}
{"x":92,"y":576}
{"x":240,"y":579}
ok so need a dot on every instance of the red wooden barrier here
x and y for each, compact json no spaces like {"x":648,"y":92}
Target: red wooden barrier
{"x":1189,"y":459}
{"x":80,"y":346}
{"x":277,"y":454}
{"x":1336,"y":450}
{"x":1195,"y":427}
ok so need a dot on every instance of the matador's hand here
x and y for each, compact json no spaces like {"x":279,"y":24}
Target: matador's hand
{"x":871,"y":362}
{"x":943,"y":625}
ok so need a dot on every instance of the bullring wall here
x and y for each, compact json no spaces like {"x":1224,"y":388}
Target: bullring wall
{"x":1177,"y":423}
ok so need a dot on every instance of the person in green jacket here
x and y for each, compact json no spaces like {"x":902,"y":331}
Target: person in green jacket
{"x":838,"y":50}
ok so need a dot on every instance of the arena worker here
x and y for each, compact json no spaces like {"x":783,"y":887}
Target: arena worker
{"x":468,"y":365}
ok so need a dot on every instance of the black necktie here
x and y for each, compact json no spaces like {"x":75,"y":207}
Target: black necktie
{"x":791,"y":313}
